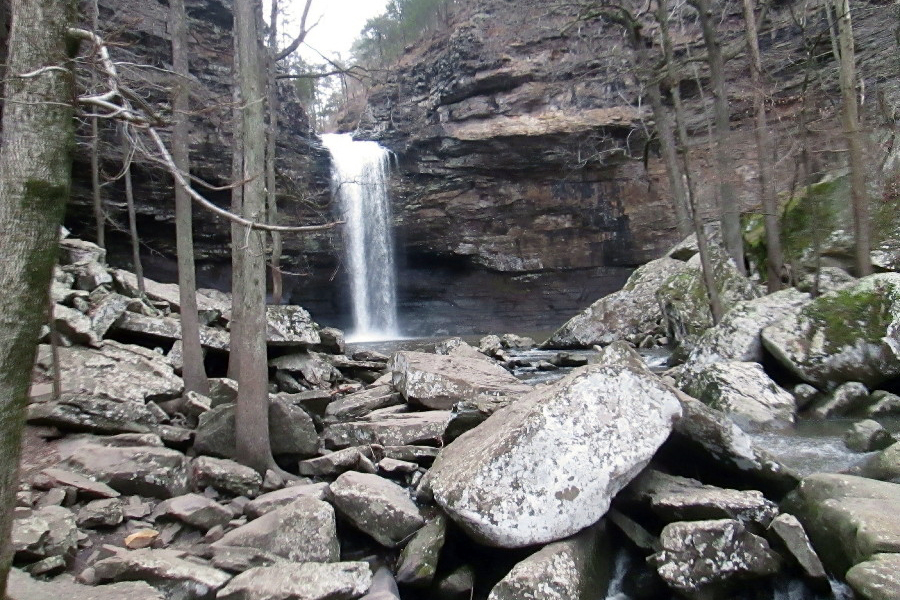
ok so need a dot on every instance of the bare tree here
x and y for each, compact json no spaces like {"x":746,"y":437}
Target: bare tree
{"x":128,"y":151}
{"x":35,"y":165}
{"x":764,"y":152}
{"x":249,"y":284}
{"x":729,"y":209}
{"x":850,"y":122}
{"x":706,"y":265}
{"x":99,"y":214}
{"x":193,"y":370}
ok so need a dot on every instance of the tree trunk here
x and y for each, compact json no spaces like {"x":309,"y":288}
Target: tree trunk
{"x":35,"y":168}
{"x":193,"y":371}
{"x":99,"y":215}
{"x":764,"y":151}
{"x":252,"y":411}
{"x":850,"y":123}
{"x":730,"y":212}
{"x":670,"y":160}
{"x":132,"y":213}
{"x":271,"y":149}
{"x":709,"y":281}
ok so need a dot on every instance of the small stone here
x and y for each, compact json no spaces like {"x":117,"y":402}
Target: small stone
{"x":884,"y":404}
{"x":141,"y":539}
{"x":48,"y":566}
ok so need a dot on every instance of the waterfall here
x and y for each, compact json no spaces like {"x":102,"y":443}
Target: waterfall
{"x":359,"y":183}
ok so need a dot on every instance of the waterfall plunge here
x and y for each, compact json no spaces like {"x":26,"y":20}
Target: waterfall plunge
{"x":359,"y":182}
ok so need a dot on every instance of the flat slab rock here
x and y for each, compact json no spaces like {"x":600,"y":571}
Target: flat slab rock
{"x":22,"y":587}
{"x":300,"y":581}
{"x":141,"y":470}
{"x":438,"y":381}
{"x":115,"y":372}
{"x":421,"y":428}
{"x":166,"y":570}
{"x":549,"y":464}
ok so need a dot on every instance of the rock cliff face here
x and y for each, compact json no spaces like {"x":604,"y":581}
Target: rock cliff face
{"x":522,"y":143}
{"x":142,"y":44}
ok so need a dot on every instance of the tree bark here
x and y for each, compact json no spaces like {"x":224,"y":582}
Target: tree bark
{"x":132,"y":213}
{"x":850,"y":123}
{"x":35,"y":169}
{"x":193,"y":371}
{"x":252,"y":411}
{"x":729,"y":210}
{"x":99,"y":215}
{"x":271,"y":149}
{"x":709,"y":281}
{"x":764,"y":152}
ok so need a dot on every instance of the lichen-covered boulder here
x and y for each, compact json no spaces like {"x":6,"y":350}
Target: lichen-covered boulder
{"x":377,"y":507}
{"x":290,"y":326}
{"x":549,"y":464}
{"x":741,"y":390}
{"x":418,"y":561}
{"x":851,"y":334}
{"x":48,"y":531}
{"x":439,"y":381}
{"x":303,"y":531}
{"x":697,"y":556}
{"x":142,"y":470}
{"x":737,"y":336}
{"x":684,"y":301}
{"x":631,"y":312}
{"x":166,"y":570}
{"x":572,"y":569}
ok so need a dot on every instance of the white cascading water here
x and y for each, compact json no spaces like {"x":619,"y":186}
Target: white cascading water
{"x":359,"y":182}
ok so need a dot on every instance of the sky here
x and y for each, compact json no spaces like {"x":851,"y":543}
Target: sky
{"x":339,"y":22}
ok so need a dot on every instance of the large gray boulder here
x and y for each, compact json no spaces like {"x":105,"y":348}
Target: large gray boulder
{"x":549,"y":464}
{"x":114,"y":372}
{"x":48,"y":531}
{"x":572,"y":569}
{"x":789,"y":531}
{"x":708,"y":436}
{"x":438,"y":382}
{"x":303,"y":531}
{"x":377,"y":507}
{"x":684,"y":301}
{"x":166,"y":570}
{"x":83,"y":412}
{"x":699,"y":556}
{"x":851,"y":334}
{"x":360,"y":404}
{"x":741,"y":390}
{"x":304,"y":581}
{"x":266,"y":503}
{"x":226,"y":476}
{"x":290,"y":326}
{"x":142,"y":470}
{"x":194,"y":509}
{"x":168,"y":292}
{"x":849,"y":519}
{"x":737,"y":336}
{"x":877,"y":578}
{"x":632,"y":312}
{"x":169,"y":329}
{"x":291,"y":430}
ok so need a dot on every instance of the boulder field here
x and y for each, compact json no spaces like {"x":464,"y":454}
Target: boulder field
{"x":441,"y":475}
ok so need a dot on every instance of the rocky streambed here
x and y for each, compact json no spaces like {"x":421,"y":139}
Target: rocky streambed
{"x":497,"y":470}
